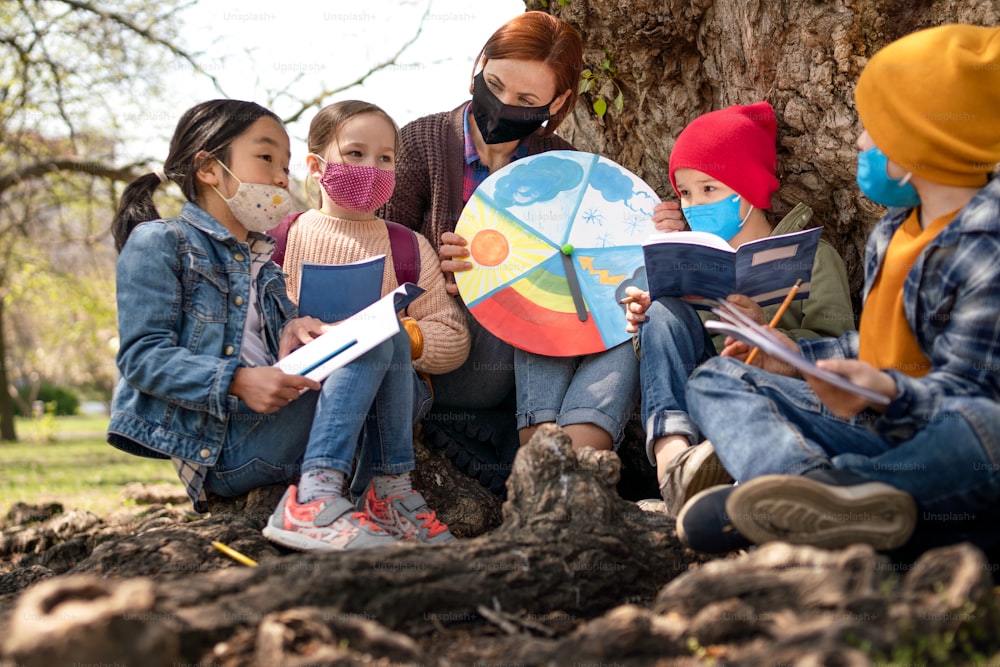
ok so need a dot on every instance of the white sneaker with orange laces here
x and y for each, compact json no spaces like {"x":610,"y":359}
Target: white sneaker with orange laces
{"x":406,"y":517}
{"x":327,"y":524}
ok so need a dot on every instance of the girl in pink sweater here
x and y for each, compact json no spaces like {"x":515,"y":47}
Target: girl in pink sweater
{"x":352,"y":148}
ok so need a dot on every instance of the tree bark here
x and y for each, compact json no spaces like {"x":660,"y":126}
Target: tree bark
{"x":678,"y":59}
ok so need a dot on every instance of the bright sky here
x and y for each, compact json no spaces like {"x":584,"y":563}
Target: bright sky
{"x":257,"y":47}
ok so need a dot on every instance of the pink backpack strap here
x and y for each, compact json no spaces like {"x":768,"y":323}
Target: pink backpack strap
{"x":280,"y":234}
{"x":405,"y":253}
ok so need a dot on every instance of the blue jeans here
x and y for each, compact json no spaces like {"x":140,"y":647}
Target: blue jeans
{"x":372,"y":401}
{"x":761,"y":423}
{"x":672,"y":343}
{"x":600,"y":389}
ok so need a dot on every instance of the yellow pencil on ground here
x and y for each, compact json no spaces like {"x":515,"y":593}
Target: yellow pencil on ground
{"x":235,"y":555}
{"x":777,"y":316}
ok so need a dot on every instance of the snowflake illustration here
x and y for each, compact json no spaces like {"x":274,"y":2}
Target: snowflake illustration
{"x":634,"y":224}
{"x":604,"y":239}
{"x":593,"y":216}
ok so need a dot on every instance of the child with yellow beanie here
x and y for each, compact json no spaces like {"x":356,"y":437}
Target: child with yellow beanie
{"x":822,"y":466}
{"x":722,"y":167}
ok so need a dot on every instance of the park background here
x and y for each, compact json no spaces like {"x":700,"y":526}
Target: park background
{"x":91,"y":95}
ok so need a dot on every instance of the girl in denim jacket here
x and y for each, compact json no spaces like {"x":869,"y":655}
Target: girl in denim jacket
{"x":202,"y":316}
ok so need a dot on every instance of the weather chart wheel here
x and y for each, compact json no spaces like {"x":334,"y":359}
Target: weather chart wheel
{"x":554,"y":240}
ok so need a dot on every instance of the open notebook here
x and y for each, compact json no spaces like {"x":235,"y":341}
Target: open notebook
{"x":739,"y":326}
{"x":700,"y":266}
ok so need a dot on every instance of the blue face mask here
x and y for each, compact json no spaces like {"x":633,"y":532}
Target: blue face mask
{"x":874,"y":181}
{"x":721,"y":218}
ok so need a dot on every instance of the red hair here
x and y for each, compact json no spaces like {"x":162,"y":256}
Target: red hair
{"x":540,"y":37}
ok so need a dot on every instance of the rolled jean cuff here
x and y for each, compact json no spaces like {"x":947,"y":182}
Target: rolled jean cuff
{"x":670,"y":422}
{"x":345,"y":467}
{"x":613,"y":427}
{"x":535,"y":417}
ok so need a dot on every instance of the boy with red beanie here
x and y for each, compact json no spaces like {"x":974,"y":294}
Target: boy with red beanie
{"x":723,"y":168}
{"x":822,"y":466}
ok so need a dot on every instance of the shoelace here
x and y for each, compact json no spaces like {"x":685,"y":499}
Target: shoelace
{"x":431,"y":523}
{"x":365,"y":521}
{"x":428,"y":520}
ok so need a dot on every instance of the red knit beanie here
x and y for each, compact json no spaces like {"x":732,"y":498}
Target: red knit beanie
{"x":736,"y":146}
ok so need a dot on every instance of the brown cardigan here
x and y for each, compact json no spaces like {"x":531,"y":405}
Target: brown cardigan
{"x":429,"y":171}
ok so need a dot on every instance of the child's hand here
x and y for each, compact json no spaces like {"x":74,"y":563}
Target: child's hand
{"x":452,"y":247}
{"x":667,"y":217}
{"x":298,"y":332}
{"x":267,"y":389}
{"x":748,"y":307}
{"x":635,"y":311}
{"x":846,"y":404}
{"x":740,"y":350}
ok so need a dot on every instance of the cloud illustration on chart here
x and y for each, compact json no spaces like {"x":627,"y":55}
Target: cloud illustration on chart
{"x":638,"y":279}
{"x":537,"y":181}
{"x":614,"y":185}
{"x":611,"y":183}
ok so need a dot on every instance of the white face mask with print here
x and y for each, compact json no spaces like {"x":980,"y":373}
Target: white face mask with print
{"x":257,"y":206}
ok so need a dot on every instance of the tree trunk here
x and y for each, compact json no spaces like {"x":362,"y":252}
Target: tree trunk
{"x":7,"y":430}
{"x":677,"y":59}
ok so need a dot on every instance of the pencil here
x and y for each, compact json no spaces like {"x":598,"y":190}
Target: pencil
{"x":235,"y":555}
{"x":777,"y":316}
{"x":627,"y":300}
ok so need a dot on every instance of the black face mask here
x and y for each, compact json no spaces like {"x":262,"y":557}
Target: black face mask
{"x":499,"y":122}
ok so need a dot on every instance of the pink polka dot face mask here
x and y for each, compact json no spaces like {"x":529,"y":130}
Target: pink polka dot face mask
{"x":357,"y":187}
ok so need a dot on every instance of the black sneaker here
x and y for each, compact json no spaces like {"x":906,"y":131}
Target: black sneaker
{"x":481,"y":443}
{"x":704,"y":525}
{"x":825,"y":508}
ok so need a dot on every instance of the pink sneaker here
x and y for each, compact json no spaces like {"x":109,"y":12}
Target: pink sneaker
{"x":406,"y":517}
{"x":327,"y":524}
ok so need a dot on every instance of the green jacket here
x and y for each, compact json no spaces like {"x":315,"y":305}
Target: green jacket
{"x":827,"y":311}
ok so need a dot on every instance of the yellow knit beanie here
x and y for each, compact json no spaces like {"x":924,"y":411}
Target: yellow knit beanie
{"x":931,"y":102}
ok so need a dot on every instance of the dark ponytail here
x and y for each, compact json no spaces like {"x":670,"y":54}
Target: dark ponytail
{"x":210,"y":127}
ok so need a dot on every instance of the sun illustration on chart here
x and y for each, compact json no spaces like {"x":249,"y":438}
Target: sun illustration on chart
{"x":500,"y":247}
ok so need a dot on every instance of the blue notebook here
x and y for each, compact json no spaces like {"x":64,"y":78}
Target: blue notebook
{"x":334,"y":292}
{"x":698,"y":265}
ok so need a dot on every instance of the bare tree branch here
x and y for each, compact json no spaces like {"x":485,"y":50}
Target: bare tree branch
{"x":38,"y":169}
{"x":317,"y":101}
{"x":124,"y":21}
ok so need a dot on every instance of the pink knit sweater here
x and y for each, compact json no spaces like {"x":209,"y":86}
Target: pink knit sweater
{"x":316,"y":237}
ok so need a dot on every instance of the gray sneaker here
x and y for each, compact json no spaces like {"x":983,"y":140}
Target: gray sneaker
{"x":406,"y":517}
{"x":824,"y":508}
{"x":323,"y":525}
{"x":693,"y":470}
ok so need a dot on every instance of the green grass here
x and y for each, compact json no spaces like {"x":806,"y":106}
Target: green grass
{"x":67,"y":460}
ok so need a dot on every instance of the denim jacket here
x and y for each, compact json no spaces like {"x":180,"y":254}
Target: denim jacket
{"x":951,"y":298}
{"x":183,"y":291}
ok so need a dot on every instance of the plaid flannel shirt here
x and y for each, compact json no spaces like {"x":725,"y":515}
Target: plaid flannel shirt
{"x":952,"y":302}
